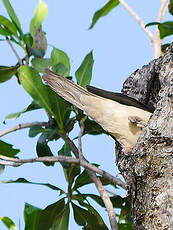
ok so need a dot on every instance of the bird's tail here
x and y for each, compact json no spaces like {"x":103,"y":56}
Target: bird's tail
{"x":65,"y":88}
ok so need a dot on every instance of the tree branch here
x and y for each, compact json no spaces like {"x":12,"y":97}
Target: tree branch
{"x":157,"y":42}
{"x":23,"y":126}
{"x":106,"y":200}
{"x":9,"y":161}
{"x":138,"y":19}
{"x":162,"y":10}
{"x":14,"y":51}
{"x":98,"y":183}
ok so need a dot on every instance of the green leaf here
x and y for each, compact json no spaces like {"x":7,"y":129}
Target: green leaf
{"x":152,"y":24}
{"x":43,"y":149}
{"x":31,"y":216}
{"x":8,"y":223}
{"x":84,"y":72}
{"x":74,"y":171}
{"x":6,"y":73}
{"x":166,"y":29}
{"x":99,"y":223}
{"x":43,"y":95}
{"x":7,"y":149}
{"x":164,"y":46}
{"x":65,"y":151}
{"x":104,"y":11}
{"x":62,"y":220}
{"x":23,"y":180}
{"x":35,"y":130}
{"x":39,"y":16}
{"x":31,"y":107}
{"x":40,"y":64}
{"x":81,"y":180}
{"x":4,"y":32}
{"x":84,"y":218}
{"x":60,"y":62}
{"x":170,"y":7}
{"x":49,"y":214}
{"x":12,"y":15}
{"x":125,"y":226}
{"x":125,"y":214}
{"x":91,"y":127}
{"x":28,"y":40}
{"x":8,"y":25}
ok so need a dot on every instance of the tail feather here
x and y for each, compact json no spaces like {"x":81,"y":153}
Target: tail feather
{"x":65,"y":88}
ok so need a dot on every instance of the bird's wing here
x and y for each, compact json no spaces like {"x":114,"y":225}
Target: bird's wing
{"x":119,"y":97}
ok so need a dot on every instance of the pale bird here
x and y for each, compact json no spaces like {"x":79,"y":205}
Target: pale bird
{"x":121,"y":116}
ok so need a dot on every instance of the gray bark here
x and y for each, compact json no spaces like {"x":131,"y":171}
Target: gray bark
{"x":148,"y":168}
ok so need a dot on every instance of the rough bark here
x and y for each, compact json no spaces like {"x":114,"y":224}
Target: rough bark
{"x":148,"y":168}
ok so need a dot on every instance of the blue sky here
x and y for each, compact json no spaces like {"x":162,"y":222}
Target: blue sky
{"x":119,"y":46}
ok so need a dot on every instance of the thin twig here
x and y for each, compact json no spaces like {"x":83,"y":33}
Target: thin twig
{"x":14,"y":51}
{"x":157,"y":42}
{"x":80,"y":139}
{"x":23,"y":126}
{"x":138,"y":19}
{"x":162,"y":10}
{"x":9,"y":161}
{"x":106,"y":199}
{"x":104,"y":195}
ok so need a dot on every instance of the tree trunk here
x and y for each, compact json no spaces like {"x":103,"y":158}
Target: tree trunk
{"x":148,"y":168}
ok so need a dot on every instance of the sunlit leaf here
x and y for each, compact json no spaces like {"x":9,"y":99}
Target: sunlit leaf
{"x":84,"y":72}
{"x":39,"y":16}
{"x":6,"y":73}
{"x":4,"y":32}
{"x":7,"y":149}
{"x":8,"y":223}
{"x":104,"y":11}
{"x":49,"y":214}
{"x":43,"y":95}
{"x":8,"y":25}
{"x":31,"y":216}
{"x":60,"y":62}
{"x":12,"y":15}
{"x":28,"y":40}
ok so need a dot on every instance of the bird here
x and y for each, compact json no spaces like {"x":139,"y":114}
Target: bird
{"x":121,"y":116}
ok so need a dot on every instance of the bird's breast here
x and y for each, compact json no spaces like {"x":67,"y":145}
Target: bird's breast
{"x":113,"y":117}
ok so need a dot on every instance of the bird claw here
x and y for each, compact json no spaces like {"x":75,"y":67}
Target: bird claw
{"x":137,"y":121}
